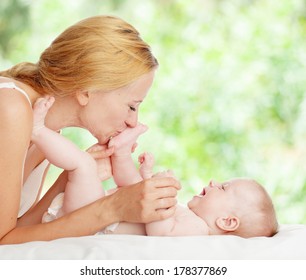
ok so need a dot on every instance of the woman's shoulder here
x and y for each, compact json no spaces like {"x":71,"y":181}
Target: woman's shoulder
{"x":14,"y":107}
{"x":10,"y":85}
{"x":6,"y":83}
{"x":16,"y":126}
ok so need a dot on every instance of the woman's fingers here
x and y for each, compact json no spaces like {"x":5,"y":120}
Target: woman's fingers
{"x":162,"y":182}
{"x":161,"y":214}
{"x":165,"y":203}
{"x":167,"y":191}
{"x":100,"y":151}
{"x":101,"y":154}
{"x":159,"y":200}
{"x":147,"y":201}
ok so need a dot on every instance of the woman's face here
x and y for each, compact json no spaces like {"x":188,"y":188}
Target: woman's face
{"x":107,"y":114}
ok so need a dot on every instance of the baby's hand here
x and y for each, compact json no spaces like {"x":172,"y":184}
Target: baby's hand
{"x":146,"y":161}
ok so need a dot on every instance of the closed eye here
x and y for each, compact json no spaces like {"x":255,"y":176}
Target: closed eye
{"x":132,"y":108}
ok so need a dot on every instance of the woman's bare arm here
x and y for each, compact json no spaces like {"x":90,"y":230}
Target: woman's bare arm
{"x":144,"y":202}
{"x":15,"y":131}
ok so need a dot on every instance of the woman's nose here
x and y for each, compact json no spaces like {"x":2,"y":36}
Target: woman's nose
{"x":132,"y":120}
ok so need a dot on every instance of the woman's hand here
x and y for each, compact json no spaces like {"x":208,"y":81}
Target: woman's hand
{"x":166,"y":173}
{"x":147,"y":201}
{"x":101,"y":153}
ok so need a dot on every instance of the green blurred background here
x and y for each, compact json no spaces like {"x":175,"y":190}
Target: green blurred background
{"x":229,"y":96}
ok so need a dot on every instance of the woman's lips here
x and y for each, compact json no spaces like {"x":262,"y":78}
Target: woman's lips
{"x":112,"y":136}
{"x":116,"y":134}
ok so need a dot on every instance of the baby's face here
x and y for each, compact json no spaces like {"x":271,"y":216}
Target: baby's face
{"x":218,"y":199}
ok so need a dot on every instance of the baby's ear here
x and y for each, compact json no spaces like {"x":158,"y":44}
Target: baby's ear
{"x":230,"y":223}
{"x":82,"y":97}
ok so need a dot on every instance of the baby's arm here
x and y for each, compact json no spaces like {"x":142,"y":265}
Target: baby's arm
{"x":124,"y":170}
{"x":184,"y":222}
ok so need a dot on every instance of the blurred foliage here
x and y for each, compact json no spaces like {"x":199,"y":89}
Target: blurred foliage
{"x":229,"y":97}
{"x":14,"y":21}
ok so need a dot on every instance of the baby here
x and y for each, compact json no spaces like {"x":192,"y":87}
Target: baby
{"x":238,"y":206}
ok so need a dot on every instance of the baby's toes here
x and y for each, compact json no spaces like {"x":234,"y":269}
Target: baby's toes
{"x":43,"y":104}
{"x":49,"y":102}
{"x":39,"y":103}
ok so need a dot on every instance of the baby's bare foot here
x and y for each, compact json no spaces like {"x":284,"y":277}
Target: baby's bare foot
{"x":125,"y":142}
{"x":40,"y":109}
{"x":146,"y":161}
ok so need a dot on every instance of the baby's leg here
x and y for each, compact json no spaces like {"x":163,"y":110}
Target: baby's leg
{"x":124,"y":170}
{"x":83,"y":186}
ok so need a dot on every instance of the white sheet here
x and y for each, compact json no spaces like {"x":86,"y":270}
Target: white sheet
{"x":289,"y":243}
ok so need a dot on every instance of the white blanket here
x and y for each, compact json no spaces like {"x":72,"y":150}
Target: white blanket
{"x":289,"y":243}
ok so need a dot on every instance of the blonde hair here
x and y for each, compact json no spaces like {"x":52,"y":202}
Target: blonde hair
{"x":97,"y":53}
{"x":257,"y":215}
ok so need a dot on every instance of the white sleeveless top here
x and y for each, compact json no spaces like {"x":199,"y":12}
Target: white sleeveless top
{"x":32,"y":186}
{"x":13,"y":86}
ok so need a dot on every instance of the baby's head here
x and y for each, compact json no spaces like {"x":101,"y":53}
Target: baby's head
{"x":238,"y":206}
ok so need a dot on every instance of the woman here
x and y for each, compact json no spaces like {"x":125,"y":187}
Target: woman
{"x":99,"y":71}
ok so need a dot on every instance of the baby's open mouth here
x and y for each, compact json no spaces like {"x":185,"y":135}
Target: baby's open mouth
{"x":203,"y":192}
